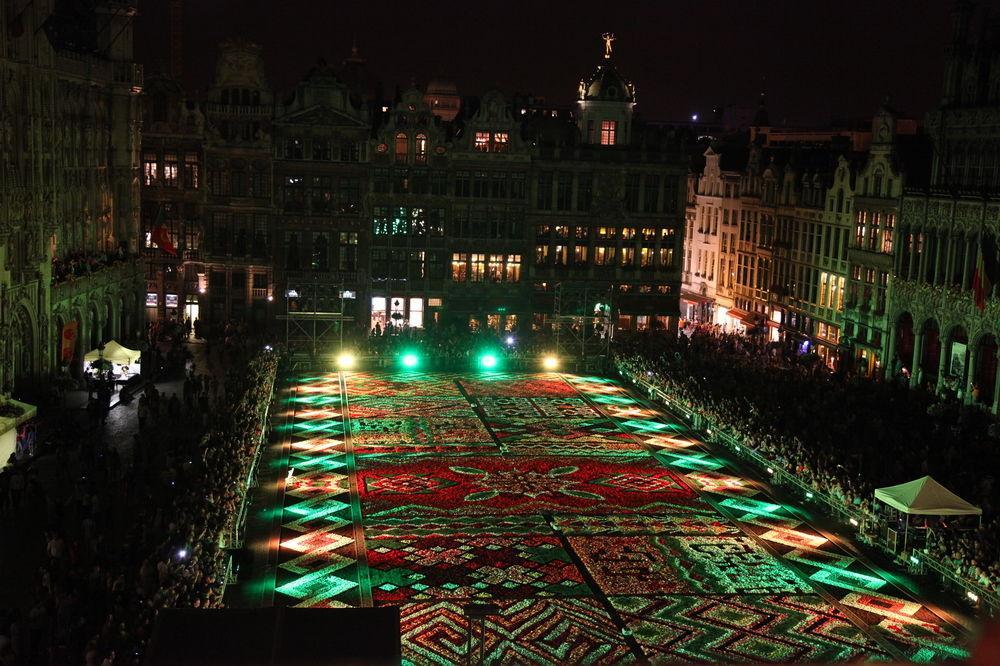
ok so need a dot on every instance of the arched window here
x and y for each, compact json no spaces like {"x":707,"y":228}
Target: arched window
{"x":420,"y":149}
{"x":402,"y":147}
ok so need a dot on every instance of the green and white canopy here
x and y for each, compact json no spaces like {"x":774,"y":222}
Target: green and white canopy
{"x":926,"y":497}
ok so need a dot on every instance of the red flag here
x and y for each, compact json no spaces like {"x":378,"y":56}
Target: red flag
{"x":985,"y":275}
{"x":161,"y":236}
{"x":68,"y":345}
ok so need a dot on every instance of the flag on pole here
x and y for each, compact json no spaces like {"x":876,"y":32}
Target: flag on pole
{"x":161,"y":236}
{"x":985,"y":275}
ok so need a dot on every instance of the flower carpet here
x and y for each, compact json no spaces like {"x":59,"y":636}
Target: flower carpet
{"x":600,"y":529}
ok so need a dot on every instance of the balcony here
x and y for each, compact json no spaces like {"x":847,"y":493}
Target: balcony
{"x":107,"y":276}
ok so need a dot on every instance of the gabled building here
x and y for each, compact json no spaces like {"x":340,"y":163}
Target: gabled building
{"x":237,"y":247}
{"x":321,"y":176}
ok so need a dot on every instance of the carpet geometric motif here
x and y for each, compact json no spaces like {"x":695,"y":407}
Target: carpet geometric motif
{"x":480,"y":485}
{"x":475,"y":567}
{"x":317,"y":558}
{"x":680,"y":524}
{"x":499,"y":407}
{"x":537,"y":493}
{"x":519,"y":386}
{"x":744,"y":629}
{"x":526,"y":631}
{"x":565,"y":436}
{"x":425,"y":526}
{"x":380,"y":407}
{"x":406,"y":384}
{"x":635,"y":565}
{"x":426,"y":434}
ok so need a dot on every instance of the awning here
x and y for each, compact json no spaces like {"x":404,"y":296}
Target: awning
{"x":692,"y":297}
{"x":926,"y":497}
{"x":115,"y":353}
{"x":742,"y":315}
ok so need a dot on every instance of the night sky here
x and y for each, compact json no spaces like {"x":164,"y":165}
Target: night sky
{"x":818,"y":61}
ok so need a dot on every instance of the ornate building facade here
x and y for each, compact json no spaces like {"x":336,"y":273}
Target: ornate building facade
{"x":419,"y":210}
{"x":938,"y":333}
{"x":69,"y":187}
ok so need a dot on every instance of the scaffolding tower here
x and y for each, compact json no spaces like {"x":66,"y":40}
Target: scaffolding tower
{"x":311,"y":327}
{"x":581,"y":321}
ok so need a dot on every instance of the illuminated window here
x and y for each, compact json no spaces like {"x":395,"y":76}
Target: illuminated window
{"x":512,"y":269}
{"x":608,"y":128}
{"x":604,"y":255}
{"x":887,"y":228}
{"x":500,"y":142}
{"x":150,"y":172}
{"x":628,"y":233}
{"x":402,"y":147}
{"x":478,"y":267}
{"x":666,"y":257}
{"x":483,"y":142}
{"x":416,"y":313}
{"x":541,"y":255}
{"x":459,"y":267}
{"x":580,"y":255}
{"x":561,"y":253}
{"x":627,"y":256}
{"x":646,"y":257}
{"x":170,"y":169}
{"x":562,"y":231}
{"x":420,"y":149}
{"x":495,"y":268}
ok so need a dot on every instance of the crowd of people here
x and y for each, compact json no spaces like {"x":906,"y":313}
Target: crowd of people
{"x":80,"y":264}
{"x":143,"y":532}
{"x":843,"y":436}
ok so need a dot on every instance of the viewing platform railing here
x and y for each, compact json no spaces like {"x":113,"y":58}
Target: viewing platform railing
{"x":985,"y":599}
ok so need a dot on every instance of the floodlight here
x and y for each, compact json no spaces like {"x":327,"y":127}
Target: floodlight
{"x":410,"y":360}
{"x":488,"y":361}
{"x":510,"y":339}
{"x":550,"y":362}
{"x":346,"y":360}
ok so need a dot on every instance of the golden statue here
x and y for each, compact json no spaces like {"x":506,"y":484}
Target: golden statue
{"x":609,"y":38}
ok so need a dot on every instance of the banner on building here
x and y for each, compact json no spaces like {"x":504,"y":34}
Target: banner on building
{"x":68,"y":344}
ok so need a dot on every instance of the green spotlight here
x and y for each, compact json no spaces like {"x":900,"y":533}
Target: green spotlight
{"x":488,"y":361}
{"x":410,"y":360}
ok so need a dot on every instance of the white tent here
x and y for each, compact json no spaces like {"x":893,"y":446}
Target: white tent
{"x":115,"y":353}
{"x":925,"y":497}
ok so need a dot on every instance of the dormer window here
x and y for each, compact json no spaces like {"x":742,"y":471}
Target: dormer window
{"x":500,"y":142}
{"x":420,"y":149}
{"x":608,"y":130}
{"x":483,"y":142}
{"x":402,"y":147}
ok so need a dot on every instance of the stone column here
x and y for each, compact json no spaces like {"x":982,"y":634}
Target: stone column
{"x":942,"y":362}
{"x":918,"y":353}
{"x":996,"y":387}
{"x":911,"y":254}
{"x":924,"y":251}
{"x":938,"y":259}
{"x":970,"y":372}
{"x":966,"y":263}
{"x":889,"y":357}
{"x":949,"y":264}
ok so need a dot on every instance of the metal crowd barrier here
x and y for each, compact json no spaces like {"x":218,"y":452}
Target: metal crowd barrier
{"x":980,"y":596}
{"x":233,"y":541}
